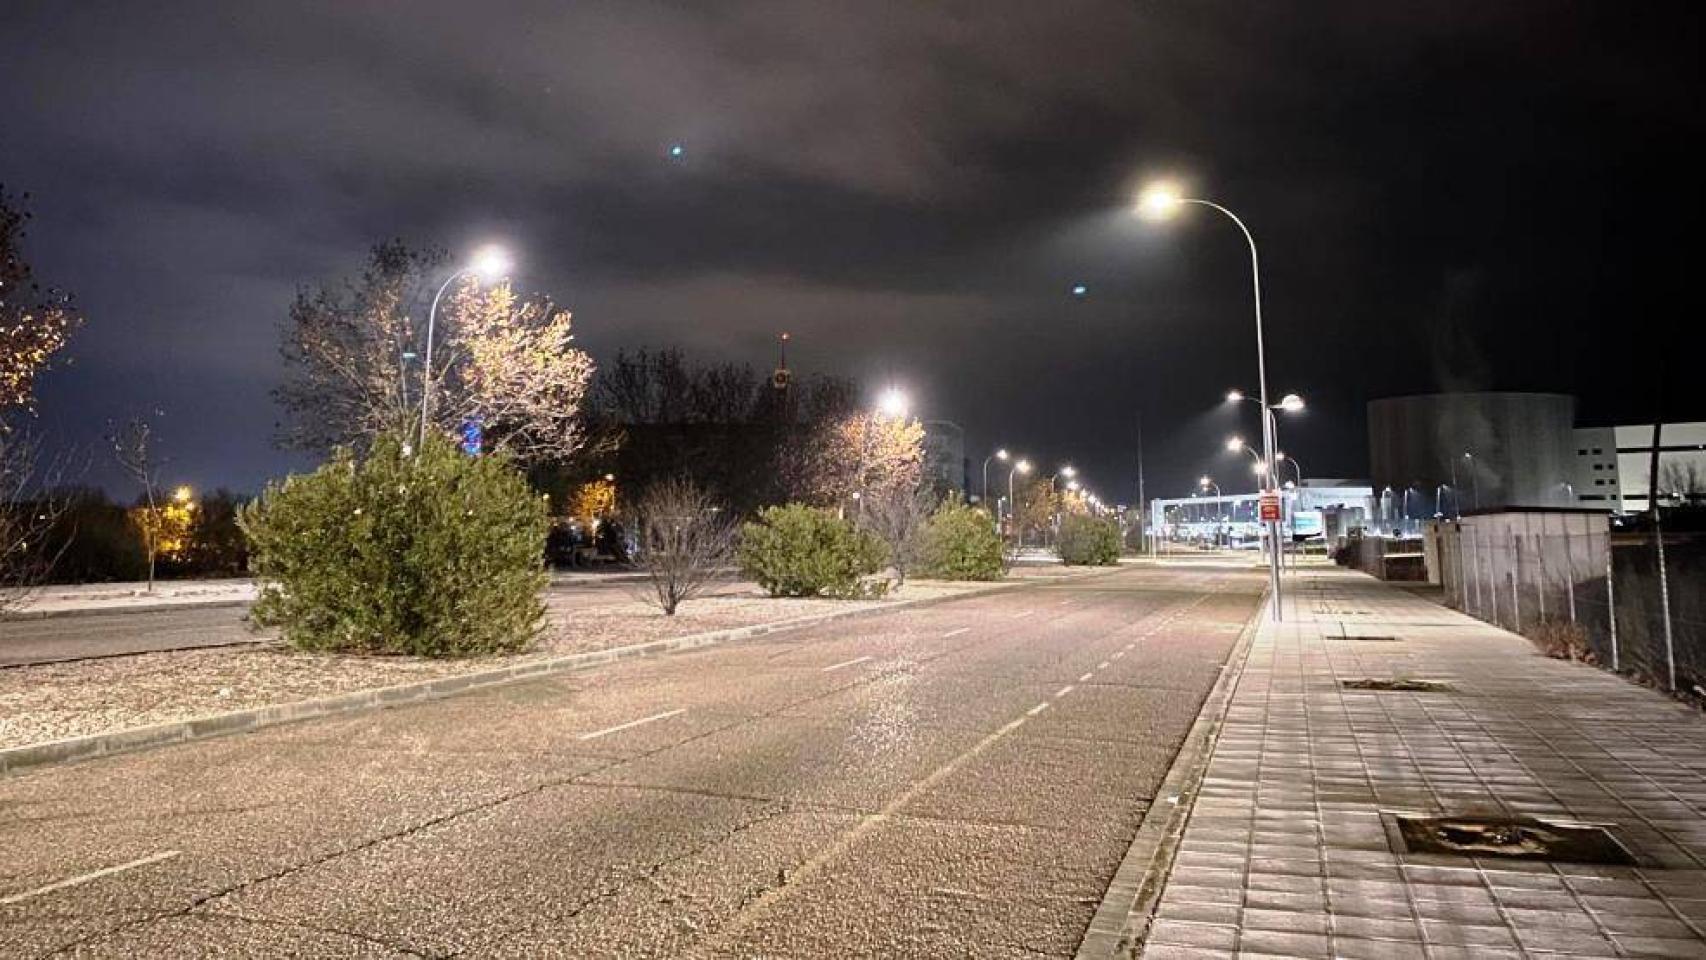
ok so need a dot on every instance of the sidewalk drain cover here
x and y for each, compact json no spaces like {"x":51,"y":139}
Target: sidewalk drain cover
{"x":1376,"y":639}
{"x":1419,"y":686}
{"x":1505,"y":838}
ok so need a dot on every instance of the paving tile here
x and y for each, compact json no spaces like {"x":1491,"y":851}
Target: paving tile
{"x":1290,"y":809}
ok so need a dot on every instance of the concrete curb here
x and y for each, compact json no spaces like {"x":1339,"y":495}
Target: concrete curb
{"x":181,"y":731}
{"x":121,"y":610}
{"x":1122,"y":919}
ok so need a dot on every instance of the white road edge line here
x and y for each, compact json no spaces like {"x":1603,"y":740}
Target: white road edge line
{"x":1039,"y":708}
{"x":632,"y":723}
{"x":845,"y":663}
{"x":955,"y":633}
{"x":81,"y":879}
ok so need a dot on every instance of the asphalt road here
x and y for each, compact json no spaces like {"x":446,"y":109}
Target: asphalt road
{"x":118,"y":633}
{"x":954,"y":780}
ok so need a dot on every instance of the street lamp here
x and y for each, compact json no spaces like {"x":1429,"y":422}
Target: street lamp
{"x":893,"y":403}
{"x":489,"y":263}
{"x":1019,"y":466}
{"x":1207,"y":482}
{"x":1162,"y":201}
{"x":1000,"y":455}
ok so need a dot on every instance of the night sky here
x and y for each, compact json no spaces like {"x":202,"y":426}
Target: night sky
{"x":1491,"y":195}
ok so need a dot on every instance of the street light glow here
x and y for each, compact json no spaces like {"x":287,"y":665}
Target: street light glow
{"x":183,"y":494}
{"x":1068,"y":472}
{"x":1234,"y":444}
{"x":1160,"y":201}
{"x":1291,"y":403}
{"x":1206,"y":481}
{"x":893,"y":403}
{"x":1072,"y":484}
{"x":1023,"y":466}
{"x":1258,"y":468}
{"x":1233,"y":396}
{"x":491,"y":262}
{"x":1001,"y":455}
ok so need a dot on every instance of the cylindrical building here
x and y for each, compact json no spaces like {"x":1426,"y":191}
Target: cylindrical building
{"x":1457,"y":452}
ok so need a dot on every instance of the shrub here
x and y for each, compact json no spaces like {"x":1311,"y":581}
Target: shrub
{"x":1561,"y":640}
{"x":961,"y":544}
{"x":685,"y":539}
{"x":800,"y":551}
{"x":435,"y":554}
{"x":1088,"y":541}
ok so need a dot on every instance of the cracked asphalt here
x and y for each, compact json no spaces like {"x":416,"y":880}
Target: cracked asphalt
{"x":960,"y":779}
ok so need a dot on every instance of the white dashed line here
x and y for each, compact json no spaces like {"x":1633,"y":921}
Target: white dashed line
{"x":845,"y":663}
{"x":1022,"y":613}
{"x":1063,"y":691}
{"x":1118,"y":654}
{"x":83,"y":878}
{"x":632,"y":723}
{"x":955,"y":633}
{"x":1102,"y":666}
{"x":1039,"y":708}
{"x":1086,"y":678}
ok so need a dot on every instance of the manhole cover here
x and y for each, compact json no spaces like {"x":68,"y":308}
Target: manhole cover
{"x":1510,"y":839}
{"x":1419,"y":686}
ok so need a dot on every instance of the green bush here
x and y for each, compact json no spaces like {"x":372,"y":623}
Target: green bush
{"x":1088,"y":541}
{"x":437,"y":554}
{"x":800,"y":551}
{"x":960,"y":543}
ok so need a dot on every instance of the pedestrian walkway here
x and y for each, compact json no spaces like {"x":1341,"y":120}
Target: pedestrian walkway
{"x":1289,"y":850}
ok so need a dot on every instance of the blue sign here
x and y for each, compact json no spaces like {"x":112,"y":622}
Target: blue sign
{"x":472,"y":438}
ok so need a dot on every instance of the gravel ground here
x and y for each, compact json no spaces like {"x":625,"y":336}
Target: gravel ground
{"x":77,"y":698}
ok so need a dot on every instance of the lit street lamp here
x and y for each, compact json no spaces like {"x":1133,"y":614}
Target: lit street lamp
{"x":489,"y":263}
{"x":1161,"y":201}
{"x":1001,"y":455}
{"x":1019,"y":466}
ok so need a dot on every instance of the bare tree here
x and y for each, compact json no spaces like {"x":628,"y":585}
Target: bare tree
{"x":897,"y":516}
{"x":503,"y":363}
{"x":133,"y":451}
{"x":28,"y":512}
{"x":34,"y":324}
{"x":1686,"y":482}
{"x":685,"y":539}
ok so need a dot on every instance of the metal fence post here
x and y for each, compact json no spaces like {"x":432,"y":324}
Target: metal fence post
{"x":1475,"y":559}
{"x":1462,"y":569}
{"x":1516,"y":584}
{"x":1570,"y":568}
{"x":1664,"y":593}
{"x":1540,"y":561}
{"x":1492,"y":578}
{"x":1611,"y":603}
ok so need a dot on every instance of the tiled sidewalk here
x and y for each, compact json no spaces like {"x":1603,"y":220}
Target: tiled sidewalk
{"x":1285,"y":853}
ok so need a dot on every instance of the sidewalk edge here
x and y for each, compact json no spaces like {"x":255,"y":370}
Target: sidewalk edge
{"x":198,"y":728}
{"x":1122,"y":919}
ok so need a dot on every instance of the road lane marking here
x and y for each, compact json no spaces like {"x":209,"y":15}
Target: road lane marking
{"x":1118,"y":654}
{"x":1102,"y":666}
{"x":955,"y":633}
{"x":1039,"y":708}
{"x":1063,"y":691}
{"x":845,"y":663}
{"x":83,"y":878}
{"x":1086,"y":678}
{"x":632,"y":723}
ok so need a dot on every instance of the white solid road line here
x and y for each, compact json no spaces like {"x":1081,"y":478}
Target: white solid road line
{"x":632,"y":723}
{"x":86,"y":877}
{"x":955,"y":633}
{"x":845,"y":663}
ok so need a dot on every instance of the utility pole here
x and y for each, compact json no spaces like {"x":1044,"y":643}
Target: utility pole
{"x":1142,"y":504}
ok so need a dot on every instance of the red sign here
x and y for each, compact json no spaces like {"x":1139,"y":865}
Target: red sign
{"x":1270,"y":506}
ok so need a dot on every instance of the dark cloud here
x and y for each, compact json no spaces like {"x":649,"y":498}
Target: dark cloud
{"x":911,"y":188}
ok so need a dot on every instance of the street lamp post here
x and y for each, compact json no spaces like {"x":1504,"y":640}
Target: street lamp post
{"x":1161,"y":201}
{"x":1474,"y":479}
{"x":1001,"y":455}
{"x":1019,"y":466}
{"x":489,"y":263}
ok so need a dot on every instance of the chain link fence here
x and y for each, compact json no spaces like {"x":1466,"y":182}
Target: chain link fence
{"x":1564,"y":579}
